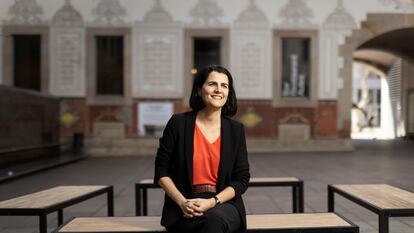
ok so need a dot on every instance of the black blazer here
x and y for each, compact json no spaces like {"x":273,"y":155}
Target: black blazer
{"x":175,"y":159}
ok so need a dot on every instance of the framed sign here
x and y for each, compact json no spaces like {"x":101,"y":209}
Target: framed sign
{"x":152,"y":117}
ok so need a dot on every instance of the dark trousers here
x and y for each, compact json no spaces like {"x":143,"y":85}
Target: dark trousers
{"x":223,"y":218}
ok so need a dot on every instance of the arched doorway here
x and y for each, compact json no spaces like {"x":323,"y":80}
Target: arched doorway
{"x":376,"y":95}
{"x":382,"y":39}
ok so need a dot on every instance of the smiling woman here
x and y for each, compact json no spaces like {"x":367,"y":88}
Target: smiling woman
{"x":215,"y":90}
{"x":202,"y":160}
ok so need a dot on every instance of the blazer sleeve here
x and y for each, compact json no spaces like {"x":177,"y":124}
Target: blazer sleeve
{"x":240,"y":175}
{"x":163,"y":160}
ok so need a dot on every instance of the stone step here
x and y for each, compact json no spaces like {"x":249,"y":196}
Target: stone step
{"x":148,"y":146}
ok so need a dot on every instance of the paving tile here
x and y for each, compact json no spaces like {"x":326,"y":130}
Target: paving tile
{"x":371,"y":162}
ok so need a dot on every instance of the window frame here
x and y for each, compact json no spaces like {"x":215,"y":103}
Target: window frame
{"x":285,"y":101}
{"x":8,"y":53}
{"x":92,"y":96}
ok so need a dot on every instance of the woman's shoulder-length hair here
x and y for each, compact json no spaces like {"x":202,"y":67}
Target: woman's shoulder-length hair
{"x":196,"y":102}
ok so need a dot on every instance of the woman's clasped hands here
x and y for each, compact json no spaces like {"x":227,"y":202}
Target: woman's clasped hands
{"x":196,"y":207}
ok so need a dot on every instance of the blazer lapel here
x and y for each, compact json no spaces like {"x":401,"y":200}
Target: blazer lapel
{"x":224,"y":152}
{"x":189,"y":144}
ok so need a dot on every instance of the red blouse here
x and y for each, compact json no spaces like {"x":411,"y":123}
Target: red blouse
{"x":206,"y":159}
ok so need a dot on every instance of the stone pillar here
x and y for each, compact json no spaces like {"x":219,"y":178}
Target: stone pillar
{"x":157,"y":56}
{"x":67,"y":53}
{"x":251,"y":54}
{"x":336,"y":27}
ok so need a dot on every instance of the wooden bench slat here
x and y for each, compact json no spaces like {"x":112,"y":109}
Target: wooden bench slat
{"x":273,"y":179}
{"x":50,"y":197}
{"x":118,"y":224}
{"x":152,"y":224}
{"x":383,"y":196}
{"x":283,"y":221}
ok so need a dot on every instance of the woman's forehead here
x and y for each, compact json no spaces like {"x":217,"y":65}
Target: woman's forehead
{"x":219,"y":77}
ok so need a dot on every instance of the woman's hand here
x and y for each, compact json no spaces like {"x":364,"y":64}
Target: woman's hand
{"x":189,"y":209}
{"x":201,"y":205}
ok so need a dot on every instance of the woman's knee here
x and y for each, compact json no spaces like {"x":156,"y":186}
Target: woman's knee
{"x":214,"y":222}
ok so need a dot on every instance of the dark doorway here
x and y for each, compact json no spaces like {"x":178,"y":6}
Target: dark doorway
{"x":207,"y":51}
{"x":27,"y":59}
{"x":110,"y":65}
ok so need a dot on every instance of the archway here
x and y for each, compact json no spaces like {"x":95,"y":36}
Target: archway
{"x":389,"y":33}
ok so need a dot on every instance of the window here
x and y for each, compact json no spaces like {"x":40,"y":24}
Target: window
{"x":295,"y":67}
{"x":206,"y":51}
{"x":110,"y":65}
{"x":27,"y":58}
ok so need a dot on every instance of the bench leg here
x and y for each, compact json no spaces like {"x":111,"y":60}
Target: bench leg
{"x":295,"y":199}
{"x":145,"y":201}
{"x":43,"y":223}
{"x":383,"y":223}
{"x":60,"y":217}
{"x":331,"y":200}
{"x":301,"y":204}
{"x":138,"y":200}
{"x":110,"y":201}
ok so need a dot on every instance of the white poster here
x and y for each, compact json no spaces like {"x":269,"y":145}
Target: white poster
{"x":153,"y":116}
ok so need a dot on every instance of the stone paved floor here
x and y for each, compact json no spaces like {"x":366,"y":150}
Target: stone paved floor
{"x":372,"y":162}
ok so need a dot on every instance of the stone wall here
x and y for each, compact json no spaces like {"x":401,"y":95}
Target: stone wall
{"x":28,"y":121}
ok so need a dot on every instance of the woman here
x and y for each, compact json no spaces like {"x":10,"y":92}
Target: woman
{"x":202,"y":160}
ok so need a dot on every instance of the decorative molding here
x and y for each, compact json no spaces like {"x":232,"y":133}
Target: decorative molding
{"x":206,"y":13}
{"x":157,"y":14}
{"x":67,"y":16}
{"x":158,"y":58}
{"x":250,"y":61}
{"x":25,"y":12}
{"x":403,"y":5}
{"x":157,"y":55}
{"x":109,"y":13}
{"x":251,"y":118}
{"x":339,"y":19}
{"x":67,"y":56}
{"x":252,"y":17}
{"x":296,"y":14}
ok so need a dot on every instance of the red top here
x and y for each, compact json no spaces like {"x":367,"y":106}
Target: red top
{"x":206,"y":159}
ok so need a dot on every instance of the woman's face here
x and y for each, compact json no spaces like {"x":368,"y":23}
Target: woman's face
{"x":215,"y":90}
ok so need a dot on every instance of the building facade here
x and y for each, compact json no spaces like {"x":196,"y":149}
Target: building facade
{"x":121,"y":67}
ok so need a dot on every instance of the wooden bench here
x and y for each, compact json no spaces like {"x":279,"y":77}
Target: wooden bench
{"x":55,"y":199}
{"x":382,"y":199}
{"x":270,"y":223}
{"x":141,"y":191}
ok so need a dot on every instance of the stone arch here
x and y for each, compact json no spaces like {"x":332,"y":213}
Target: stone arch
{"x":375,"y":25}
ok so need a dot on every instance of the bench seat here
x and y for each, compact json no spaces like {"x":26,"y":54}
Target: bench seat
{"x":309,"y":222}
{"x":141,"y":191}
{"x":383,"y":199}
{"x":54,"y":199}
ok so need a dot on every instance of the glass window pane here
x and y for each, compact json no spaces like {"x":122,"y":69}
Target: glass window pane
{"x":27,"y":57}
{"x":295,"y":67}
{"x":206,"y":51}
{"x":110,"y":65}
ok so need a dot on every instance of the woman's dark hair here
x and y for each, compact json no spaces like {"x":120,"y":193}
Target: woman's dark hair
{"x":196,"y":102}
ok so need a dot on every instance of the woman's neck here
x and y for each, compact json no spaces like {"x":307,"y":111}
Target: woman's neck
{"x":208,"y":116}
